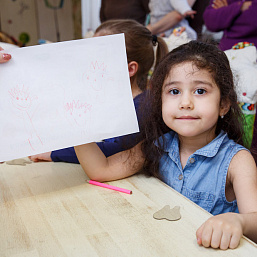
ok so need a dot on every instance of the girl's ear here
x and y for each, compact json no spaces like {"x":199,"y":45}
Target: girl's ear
{"x":224,"y":107}
{"x":132,"y":68}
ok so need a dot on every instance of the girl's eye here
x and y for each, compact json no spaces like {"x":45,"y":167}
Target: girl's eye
{"x":200,"y":91}
{"x":174,"y":91}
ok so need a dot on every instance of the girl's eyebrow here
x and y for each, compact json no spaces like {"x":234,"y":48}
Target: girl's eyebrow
{"x":171,"y":83}
{"x":205,"y":82}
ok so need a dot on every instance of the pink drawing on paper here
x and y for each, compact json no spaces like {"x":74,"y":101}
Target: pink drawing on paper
{"x":78,"y":113}
{"x":22,"y":101}
{"x":97,"y":78}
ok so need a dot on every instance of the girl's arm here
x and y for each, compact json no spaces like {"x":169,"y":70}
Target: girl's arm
{"x":108,"y":147}
{"x":118,"y":166}
{"x":225,"y":230}
{"x":243,"y":173}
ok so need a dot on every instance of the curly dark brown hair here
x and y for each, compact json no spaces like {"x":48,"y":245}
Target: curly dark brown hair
{"x":204,"y":56}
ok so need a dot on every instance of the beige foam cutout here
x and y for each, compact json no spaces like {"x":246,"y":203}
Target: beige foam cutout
{"x":167,"y":213}
{"x":21,"y":162}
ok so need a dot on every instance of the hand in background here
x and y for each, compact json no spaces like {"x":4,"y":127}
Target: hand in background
{"x":246,"y":5}
{"x":219,"y":3}
{"x":4,"y":57}
{"x":222,"y":231}
{"x":190,"y":13}
{"x":41,"y":157}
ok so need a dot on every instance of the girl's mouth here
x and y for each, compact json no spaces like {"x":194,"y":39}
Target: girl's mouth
{"x":187,"y":118}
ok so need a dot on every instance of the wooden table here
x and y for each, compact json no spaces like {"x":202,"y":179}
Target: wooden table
{"x":47,"y":209}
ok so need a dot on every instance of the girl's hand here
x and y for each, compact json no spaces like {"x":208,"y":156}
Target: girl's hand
{"x":41,"y":157}
{"x":4,"y":57}
{"x":222,"y":231}
{"x":219,"y":3}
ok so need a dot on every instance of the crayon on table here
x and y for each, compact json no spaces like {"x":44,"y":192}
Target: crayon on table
{"x":123,"y":190}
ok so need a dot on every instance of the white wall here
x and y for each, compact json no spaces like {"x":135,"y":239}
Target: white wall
{"x":90,"y":10}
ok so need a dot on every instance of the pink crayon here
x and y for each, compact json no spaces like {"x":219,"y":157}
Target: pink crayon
{"x":109,"y":186}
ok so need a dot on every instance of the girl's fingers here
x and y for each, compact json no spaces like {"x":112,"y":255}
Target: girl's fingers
{"x":33,"y":158}
{"x":235,"y":240}
{"x":207,"y":236}
{"x":4,"y":57}
{"x":216,"y":238}
{"x":222,"y":231}
{"x":199,"y":234}
{"x":225,"y":241}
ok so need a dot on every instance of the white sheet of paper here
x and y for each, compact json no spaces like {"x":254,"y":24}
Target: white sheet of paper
{"x":64,"y":94}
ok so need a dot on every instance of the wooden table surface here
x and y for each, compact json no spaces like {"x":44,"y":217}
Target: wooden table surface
{"x":47,"y":209}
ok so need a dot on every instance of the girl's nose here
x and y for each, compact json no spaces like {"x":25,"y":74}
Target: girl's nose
{"x":186,"y":102}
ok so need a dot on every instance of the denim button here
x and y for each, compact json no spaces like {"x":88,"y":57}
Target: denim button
{"x":192,"y":160}
{"x":180,"y":177}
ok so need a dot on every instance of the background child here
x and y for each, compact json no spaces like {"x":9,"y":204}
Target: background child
{"x":165,"y":15}
{"x":191,"y":137}
{"x":123,"y":9}
{"x":140,"y":53}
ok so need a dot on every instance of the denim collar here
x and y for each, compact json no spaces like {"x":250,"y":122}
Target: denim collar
{"x":171,"y":145}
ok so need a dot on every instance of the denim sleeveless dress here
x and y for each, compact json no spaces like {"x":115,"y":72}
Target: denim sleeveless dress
{"x":203,"y":178}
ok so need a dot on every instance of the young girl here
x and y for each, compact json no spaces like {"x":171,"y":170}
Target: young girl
{"x":191,"y":133}
{"x":140,"y":54}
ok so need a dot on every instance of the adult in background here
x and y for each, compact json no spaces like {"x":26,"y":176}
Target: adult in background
{"x":197,"y":22}
{"x":166,"y":15}
{"x":124,"y":9}
{"x":238,"y":20}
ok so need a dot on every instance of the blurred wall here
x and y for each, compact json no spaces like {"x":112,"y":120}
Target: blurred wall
{"x":90,"y":10}
{"x":31,"y":20}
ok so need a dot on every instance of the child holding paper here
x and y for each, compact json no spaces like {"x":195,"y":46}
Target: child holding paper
{"x":192,"y":141}
{"x":4,"y":57}
{"x":140,"y":54}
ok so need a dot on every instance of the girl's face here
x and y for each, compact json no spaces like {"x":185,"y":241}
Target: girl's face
{"x":191,"y":101}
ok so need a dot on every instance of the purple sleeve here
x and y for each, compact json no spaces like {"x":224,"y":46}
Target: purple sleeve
{"x":222,"y":18}
{"x":248,"y":20}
